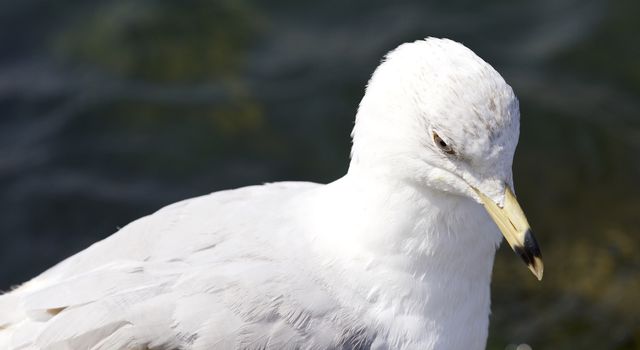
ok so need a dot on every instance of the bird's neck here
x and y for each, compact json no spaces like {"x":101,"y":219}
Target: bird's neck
{"x":417,"y":252}
{"x":405,"y":219}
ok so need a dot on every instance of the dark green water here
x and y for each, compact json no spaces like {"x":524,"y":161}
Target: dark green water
{"x":112,"y":109}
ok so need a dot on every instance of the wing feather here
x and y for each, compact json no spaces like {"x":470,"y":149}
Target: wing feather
{"x":199,"y":274}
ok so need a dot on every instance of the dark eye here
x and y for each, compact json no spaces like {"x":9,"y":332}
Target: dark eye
{"x":443,"y":145}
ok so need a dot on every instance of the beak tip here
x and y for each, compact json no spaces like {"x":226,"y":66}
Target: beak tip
{"x":536,"y":264}
{"x":530,"y":254}
{"x":537,"y":268}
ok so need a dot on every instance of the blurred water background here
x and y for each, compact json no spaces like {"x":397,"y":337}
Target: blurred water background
{"x":111,"y":109}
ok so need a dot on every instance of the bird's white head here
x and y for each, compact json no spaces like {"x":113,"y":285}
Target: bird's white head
{"x":437,"y":115}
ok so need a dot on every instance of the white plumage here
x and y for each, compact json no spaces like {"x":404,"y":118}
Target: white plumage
{"x":397,"y":254}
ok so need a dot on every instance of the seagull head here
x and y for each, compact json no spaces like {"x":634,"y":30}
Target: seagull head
{"x":436,"y":115}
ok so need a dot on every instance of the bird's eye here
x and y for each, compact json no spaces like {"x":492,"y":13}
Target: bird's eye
{"x":444,"y":147}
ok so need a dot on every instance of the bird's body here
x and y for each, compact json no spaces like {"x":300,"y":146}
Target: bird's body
{"x":246,"y":269}
{"x":374,"y":260}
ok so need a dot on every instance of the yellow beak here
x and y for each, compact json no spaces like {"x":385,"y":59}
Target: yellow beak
{"x":515,"y":229}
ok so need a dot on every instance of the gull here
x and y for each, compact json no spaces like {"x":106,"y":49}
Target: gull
{"x":396,"y":254}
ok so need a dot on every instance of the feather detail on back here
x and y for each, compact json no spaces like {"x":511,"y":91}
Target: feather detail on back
{"x":144,"y":287}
